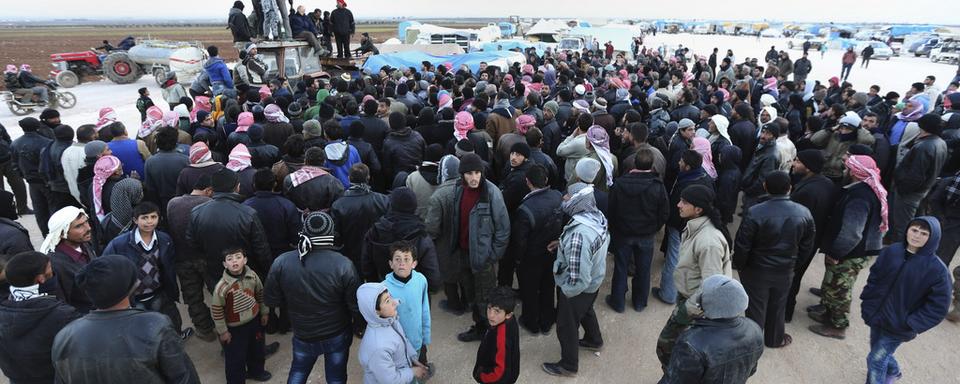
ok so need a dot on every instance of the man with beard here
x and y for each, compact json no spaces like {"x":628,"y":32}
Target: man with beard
{"x":69,"y":242}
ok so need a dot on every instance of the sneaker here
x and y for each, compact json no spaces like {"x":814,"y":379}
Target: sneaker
{"x":609,"y":301}
{"x":207,"y":335}
{"x":554,"y":369}
{"x":816,"y":292}
{"x":469,"y":335}
{"x":270,"y":349}
{"x":263,"y":376}
{"x":828,"y":331}
{"x":186,"y":333}
{"x":445,"y":305}
{"x":590,"y":346}
{"x":656,"y":293}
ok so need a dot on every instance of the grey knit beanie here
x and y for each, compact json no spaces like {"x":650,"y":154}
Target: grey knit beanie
{"x":722,"y":297}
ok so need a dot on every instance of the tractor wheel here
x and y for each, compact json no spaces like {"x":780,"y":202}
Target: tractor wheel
{"x":68,"y":79}
{"x":120,"y":69}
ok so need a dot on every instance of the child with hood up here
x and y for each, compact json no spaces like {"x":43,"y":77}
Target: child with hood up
{"x":385,"y":353}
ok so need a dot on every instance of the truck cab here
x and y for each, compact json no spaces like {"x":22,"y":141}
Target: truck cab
{"x":292,"y":60}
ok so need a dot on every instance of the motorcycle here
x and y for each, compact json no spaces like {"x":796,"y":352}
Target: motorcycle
{"x":58,"y":99}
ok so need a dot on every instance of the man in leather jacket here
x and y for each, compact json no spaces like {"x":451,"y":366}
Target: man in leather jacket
{"x":116,"y":343}
{"x":721,"y":347}
{"x":772,"y":235}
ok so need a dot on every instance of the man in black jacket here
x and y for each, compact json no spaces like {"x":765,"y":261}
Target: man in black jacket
{"x":818,"y":194}
{"x":639,"y":206}
{"x":117,"y":344}
{"x":765,"y":160}
{"x":30,"y":320}
{"x":239,"y":27}
{"x":26,"y":157}
{"x":59,"y":195}
{"x":535,"y":224}
{"x":356,"y":211}
{"x":721,"y":347}
{"x":341,"y":20}
{"x":225,"y":222}
{"x":319,"y":286}
{"x":771,"y":237}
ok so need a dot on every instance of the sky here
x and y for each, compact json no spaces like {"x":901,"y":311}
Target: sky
{"x":881,"y":11}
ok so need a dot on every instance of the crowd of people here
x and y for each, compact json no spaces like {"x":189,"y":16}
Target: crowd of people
{"x":318,"y":28}
{"x":337,"y":207}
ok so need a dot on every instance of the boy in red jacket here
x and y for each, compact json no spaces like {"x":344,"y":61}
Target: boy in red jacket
{"x":498,"y":359}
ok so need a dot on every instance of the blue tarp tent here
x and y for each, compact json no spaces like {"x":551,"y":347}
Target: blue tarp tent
{"x":413,"y":59}
{"x":903,"y":30}
{"x":506,"y":45}
{"x":402,"y":28}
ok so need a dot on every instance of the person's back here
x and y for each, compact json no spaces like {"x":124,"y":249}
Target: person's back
{"x":775,"y":233}
{"x":161,"y":173}
{"x":639,"y":204}
{"x":355,"y":212}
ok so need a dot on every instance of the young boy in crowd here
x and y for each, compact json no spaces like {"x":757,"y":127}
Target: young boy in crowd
{"x":410,"y":287}
{"x":503,"y":335}
{"x":144,"y":103}
{"x":385,"y":353}
{"x":239,"y":317}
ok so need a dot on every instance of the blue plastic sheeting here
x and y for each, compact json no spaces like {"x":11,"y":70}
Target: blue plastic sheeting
{"x":506,"y":45}
{"x":414,"y":59}
{"x":507,"y":29}
{"x":903,"y":30}
{"x":402,"y":29}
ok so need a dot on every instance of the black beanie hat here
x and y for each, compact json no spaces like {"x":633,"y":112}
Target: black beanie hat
{"x":434,"y":153}
{"x":812,"y":159}
{"x":522,"y":148}
{"x":773,"y":127}
{"x":326,"y":111}
{"x":49,"y":113}
{"x":469,"y":163}
{"x":107,"y":280}
{"x":238,"y":5}
{"x":699,"y":196}
{"x":30,"y":124}
{"x":860,"y":149}
{"x":931,"y":123}
{"x":318,"y":224}
{"x":403,"y":200}
{"x":224,"y":180}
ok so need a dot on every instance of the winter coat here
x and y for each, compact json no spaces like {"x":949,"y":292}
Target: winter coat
{"x":834,"y":148}
{"x":802,"y":67}
{"x":316,"y":194}
{"x":423,"y":182}
{"x":854,"y":226}
{"x":907,"y":294}
{"x":263,"y":155}
{"x":536,"y":223}
{"x":161,"y":173}
{"x":385,"y":352}
{"x":716,"y":351}
{"x":402,"y":152}
{"x":341,"y":22}
{"x":126,"y":245}
{"x":392,"y":227}
{"x":685,"y":179}
{"x":498,"y":358}
{"x":639,"y":205}
{"x":819,"y":195}
{"x":223,"y":223}
{"x":581,"y":242}
{"x":773,"y":235}
{"x":280,"y":219}
{"x":489,"y":226}
{"x":277,"y":133}
{"x":438,"y":219}
{"x":217,"y":70}
{"x":686,"y":111}
{"x":120,"y":347}
{"x":414,"y":309}
{"x":500,"y":122}
{"x":918,"y":170}
{"x":728,"y":181}
{"x":552,"y":136}
{"x":238,"y":25}
{"x":765,"y":161}
{"x":27,"y":329}
{"x":374,"y":132}
{"x":743,"y":134}
{"x":703,"y":253}
{"x":340,"y":157}
{"x":319,"y":290}
{"x":353,"y":214}
{"x":572,"y":149}
{"x":514,"y":185}
{"x":368,"y":155}
{"x":14,"y":238}
{"x":25,"y":152}
{"x":178,"y":221}
{"x":64,"y":284}
{"x":189,"y":176}
{"x":302,"y":23}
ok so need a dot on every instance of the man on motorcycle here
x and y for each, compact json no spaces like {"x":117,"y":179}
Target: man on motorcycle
{"x":11,"y":80}
{"x":30,"y":81}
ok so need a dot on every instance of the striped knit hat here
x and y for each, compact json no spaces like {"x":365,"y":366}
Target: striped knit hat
{"x":318,"y":231}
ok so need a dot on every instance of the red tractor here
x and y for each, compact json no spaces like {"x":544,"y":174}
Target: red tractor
{"x":69,"y":68}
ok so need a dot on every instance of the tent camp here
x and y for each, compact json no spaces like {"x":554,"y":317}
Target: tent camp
{"x":413,"y":59}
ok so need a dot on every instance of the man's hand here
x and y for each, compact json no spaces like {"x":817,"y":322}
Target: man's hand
{"x":225,"y":338}
{"x":420,"y":371}
{"x":552,"y":247}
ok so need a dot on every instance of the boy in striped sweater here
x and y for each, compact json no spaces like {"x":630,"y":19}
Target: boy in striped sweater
{"x":239,"y":316}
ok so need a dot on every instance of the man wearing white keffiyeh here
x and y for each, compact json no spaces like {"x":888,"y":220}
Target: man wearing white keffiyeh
{"x":598,"y":145}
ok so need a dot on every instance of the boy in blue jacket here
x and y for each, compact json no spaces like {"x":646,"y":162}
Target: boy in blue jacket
{"x":410,"y":287}
{"x":907,"y":293}
{"x":153,"y":253}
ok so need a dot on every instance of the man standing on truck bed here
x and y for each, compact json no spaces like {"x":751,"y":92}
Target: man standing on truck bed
{"x":341,"y":20}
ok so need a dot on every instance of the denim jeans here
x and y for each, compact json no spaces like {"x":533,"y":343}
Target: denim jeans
{"x":336,"y":351}
{"x":640,"y":249}
{"x":880,"y":361}
{"x":668,"y":290}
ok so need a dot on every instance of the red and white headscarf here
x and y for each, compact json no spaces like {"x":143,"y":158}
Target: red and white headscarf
{"x":10,"y":69}
{"x":274,"y":114}
{"x":154,"y":120}
{"x":239,"y":158}
{"x":200,"y":155}
{"x":102,"y":170}
{"x":863,"y":168}
{"x":524,"y":122}
{"x":200,"y":103}
{"x":462,"y":124}
{"x":107,"y":117}
{"x":244,"y":121}
{"x":171,"y":119}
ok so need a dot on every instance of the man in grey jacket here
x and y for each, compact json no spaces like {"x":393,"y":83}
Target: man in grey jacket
{"x":578,"y":271}
{"x":916,"y":173}
{"x":476,"y":225}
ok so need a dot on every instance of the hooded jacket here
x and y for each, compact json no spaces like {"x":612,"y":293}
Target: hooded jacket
{"x":489,"y":225}
{"x":340,"y":157}
{"x":27,"y":329}
{"x":582,"y":254}
{"x":424,"y":182}
{"x":907,"y":294}
{"x":765,"y":160}
{"x":854,"y":227}
{"x":402,"y":151}
{"x":385,"y":353}
{"x":393,"y":227}
{"x":217,"y":71}
{"x":414,"y":310}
